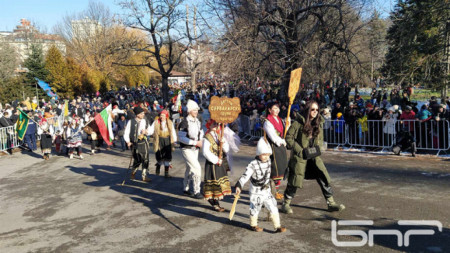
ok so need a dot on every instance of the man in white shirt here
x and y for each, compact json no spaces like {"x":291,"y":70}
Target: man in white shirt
{"x":190,"y":136}
{"x":135,"y":136}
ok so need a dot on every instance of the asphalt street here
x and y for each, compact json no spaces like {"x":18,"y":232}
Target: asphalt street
{"x":64,"y":205}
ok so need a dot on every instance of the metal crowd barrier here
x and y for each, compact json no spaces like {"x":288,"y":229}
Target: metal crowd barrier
{"x":429,"y":135}
{"x":8,"y":138}
{"x":251,"y":129}
{"x":335,"y":132}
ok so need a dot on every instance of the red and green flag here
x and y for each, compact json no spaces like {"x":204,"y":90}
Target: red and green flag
{"x":22,"y":125}
{"x":104,"y":124}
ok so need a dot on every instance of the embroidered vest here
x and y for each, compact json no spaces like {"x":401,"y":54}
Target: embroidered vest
{"x":160,"y":133}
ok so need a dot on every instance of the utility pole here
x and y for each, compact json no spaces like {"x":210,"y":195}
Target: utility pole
{"x":192,"y":53}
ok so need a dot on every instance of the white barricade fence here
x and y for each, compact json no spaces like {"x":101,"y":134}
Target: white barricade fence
{"x":372,"y":133}
{"x":429,"y":135}
{"x":334,"y":132}
{"x":256,"y":128}
{"x":245,"y":126}
{"x":8,"y":138}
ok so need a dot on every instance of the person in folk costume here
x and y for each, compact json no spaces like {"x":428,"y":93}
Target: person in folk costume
{"x":135,"y":136}
{"x":164,"y":137}
{"x":46,"y":132}
{"x":64,"y":136}
{"x":92,"y":137}
{"x":58,"y":141}
{"x":216,"y":183}
{"x":258,"y":172}
{"x":74,"y":138}
{"x":190,"y":134}
{"x":306,"y":132}
{"x":274,"y":133}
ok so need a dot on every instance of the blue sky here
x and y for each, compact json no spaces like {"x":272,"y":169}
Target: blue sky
{"x":47,"y":13}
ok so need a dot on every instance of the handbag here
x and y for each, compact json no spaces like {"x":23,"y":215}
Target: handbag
{"x":312,"y":151}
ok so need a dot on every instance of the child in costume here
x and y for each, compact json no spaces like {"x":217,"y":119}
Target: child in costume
{"x":258,"y":172}
{"x":58,"y":141}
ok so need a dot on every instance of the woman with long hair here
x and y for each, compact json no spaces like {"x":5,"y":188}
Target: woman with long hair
{"x":305,"y":139}
{"x":74,"y":139}
{"x":164,"y":138}
{"x":216,"y":184}
{"x":274,"y":133}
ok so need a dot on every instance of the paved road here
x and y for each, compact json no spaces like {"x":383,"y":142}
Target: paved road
{"x":76,"y":205}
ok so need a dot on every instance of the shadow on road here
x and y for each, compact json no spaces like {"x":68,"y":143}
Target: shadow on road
{"x":160,"y":194}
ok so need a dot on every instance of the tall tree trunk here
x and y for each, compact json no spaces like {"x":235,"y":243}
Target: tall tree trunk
{"x":194,"y":80}
{"x":165,"y":88}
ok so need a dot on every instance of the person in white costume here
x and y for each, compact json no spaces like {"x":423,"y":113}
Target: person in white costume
{"x":258,"y":172}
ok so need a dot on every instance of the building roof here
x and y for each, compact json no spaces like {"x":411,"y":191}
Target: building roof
{"x":174,"y":73}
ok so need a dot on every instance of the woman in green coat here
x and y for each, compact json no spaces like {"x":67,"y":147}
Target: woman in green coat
{"x":306,"y":132}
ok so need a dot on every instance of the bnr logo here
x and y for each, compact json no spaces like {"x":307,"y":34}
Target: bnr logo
{"x":402,"y":240}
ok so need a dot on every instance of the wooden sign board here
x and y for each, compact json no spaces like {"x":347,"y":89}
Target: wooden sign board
{"x":294,"y":83}
{"x":224,"y":110}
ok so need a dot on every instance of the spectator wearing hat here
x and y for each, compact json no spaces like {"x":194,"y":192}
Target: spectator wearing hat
{"x":164,"y":138}
{"x":327,"y":125}
{"x":440,"y":130}
{"x":389,"y":120}
{"x":337,"y":109}
{"x":338,"y":125}
{"x":424,"y":116}
{"x":408,"y":117}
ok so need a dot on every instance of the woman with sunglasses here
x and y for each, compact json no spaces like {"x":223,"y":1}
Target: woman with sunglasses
{"x":274,"y":133}
{"x":304,"y":138}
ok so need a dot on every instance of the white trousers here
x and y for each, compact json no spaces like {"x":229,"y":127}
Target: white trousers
{"x":193,"y":170}
{"x":260,"y":197}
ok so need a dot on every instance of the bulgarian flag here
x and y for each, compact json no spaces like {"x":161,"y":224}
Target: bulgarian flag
{"x":104,"y":124}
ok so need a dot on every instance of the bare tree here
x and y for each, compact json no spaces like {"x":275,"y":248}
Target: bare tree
{"x":91,"y":37}
{"x":274,"y":37}
{"x":167,"y":26}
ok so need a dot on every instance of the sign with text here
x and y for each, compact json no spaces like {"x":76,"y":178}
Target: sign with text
{"x":224,"y":110}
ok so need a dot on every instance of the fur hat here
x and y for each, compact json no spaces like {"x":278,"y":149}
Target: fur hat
{"x":137,"y":110}
{"x":192,"y":105}
{"x":263,"y":147}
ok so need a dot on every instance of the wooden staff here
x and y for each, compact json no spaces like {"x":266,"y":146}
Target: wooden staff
{"x":294,"y":85}
{"x":233,"y":207}
{"x":220,"y":139}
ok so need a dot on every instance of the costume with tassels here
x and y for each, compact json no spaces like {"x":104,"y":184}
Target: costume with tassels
{"x":46,"y":132}
{"x":135,"y":136}
{"x":216,"y":182}
{"x":274,"y":130}
{"x":163,"y":139}
{"x":74,"y":138}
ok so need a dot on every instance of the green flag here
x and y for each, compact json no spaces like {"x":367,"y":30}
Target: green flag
{"x":22,"y":125}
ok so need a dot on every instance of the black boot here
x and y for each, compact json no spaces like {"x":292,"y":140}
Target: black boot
{"x":166,"y":172}
{"x":158,"y":169}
